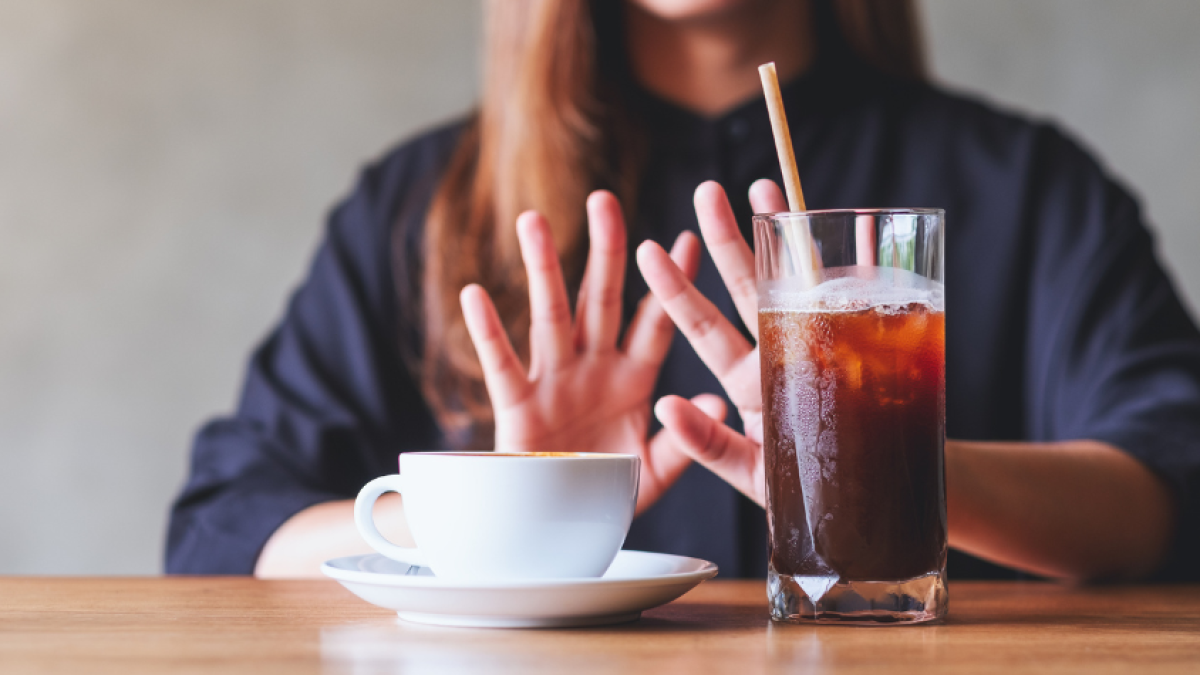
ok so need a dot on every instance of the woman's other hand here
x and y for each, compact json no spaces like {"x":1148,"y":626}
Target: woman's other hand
{"x":582,"y":390}
{"x":735,"y":457}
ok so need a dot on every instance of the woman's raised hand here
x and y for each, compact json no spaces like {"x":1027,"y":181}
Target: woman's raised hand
{"x":734,"y":457}
{"x":582,"y":390}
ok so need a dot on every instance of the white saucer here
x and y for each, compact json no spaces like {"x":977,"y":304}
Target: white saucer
{"x":636,"y":581}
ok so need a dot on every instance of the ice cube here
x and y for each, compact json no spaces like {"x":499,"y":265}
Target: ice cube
{"x":815,"y":587}
{"x":853,"y":288}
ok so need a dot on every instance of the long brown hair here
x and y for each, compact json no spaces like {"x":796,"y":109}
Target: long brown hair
{"x":549,"y":129}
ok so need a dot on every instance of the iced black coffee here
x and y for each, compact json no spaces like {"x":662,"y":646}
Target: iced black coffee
{"x":853,"y":377}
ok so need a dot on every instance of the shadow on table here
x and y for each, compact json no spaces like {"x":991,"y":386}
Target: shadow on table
{"x":396,"y":646}
{"x":695,"y":617}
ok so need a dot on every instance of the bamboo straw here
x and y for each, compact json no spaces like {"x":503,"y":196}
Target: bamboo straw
{"x":783,"y":137}
{"x":810,"y":264}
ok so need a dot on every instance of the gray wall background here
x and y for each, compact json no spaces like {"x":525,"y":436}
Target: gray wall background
{"x":165,"y":167}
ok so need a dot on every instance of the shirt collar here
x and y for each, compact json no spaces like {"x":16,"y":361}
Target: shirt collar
{"x":824,"y":88}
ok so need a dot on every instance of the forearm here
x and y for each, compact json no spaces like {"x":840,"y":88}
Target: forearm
{"x":326,"y":531}
{"x":1079,"y":510}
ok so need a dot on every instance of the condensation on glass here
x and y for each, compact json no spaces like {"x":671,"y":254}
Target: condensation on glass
{"x":852,"y":344}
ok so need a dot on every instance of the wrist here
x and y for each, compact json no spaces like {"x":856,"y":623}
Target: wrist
{"x":961,"y":488}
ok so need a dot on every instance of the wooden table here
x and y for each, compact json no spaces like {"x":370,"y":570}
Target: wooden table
{"x":231,"y":625}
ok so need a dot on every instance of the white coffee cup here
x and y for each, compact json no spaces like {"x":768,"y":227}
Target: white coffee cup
{"x":484,"y":516}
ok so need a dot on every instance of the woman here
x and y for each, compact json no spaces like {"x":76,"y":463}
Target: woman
{"x":1071,"y":365}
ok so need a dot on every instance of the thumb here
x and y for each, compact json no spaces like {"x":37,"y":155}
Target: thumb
{"x":708,"y":441}
{"x":711,"y":405}
{"x":665,"y":460}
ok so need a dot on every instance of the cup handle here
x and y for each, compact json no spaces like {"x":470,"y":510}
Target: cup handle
{"x":364,"y":518}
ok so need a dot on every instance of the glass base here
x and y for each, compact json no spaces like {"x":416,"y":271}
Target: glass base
{"x":818,"y":599}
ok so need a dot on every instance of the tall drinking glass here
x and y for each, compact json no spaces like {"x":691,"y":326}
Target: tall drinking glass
{"x":851,"y":334}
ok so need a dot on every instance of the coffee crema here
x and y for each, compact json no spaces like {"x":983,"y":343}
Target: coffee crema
{"x":525,"y":454}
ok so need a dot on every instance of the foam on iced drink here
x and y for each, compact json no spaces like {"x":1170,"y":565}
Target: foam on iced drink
{"x":852,"y":289}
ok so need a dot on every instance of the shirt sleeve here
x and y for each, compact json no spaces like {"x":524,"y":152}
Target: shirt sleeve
{"x":327,"y":402}
{"x":1113,"y":354}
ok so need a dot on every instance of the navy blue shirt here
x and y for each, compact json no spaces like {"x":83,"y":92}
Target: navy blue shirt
{"x":1060,"y":321}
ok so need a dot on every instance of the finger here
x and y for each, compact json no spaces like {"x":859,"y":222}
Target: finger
{"x":599,"y":308}
{"x":766,"y":197}
{"x":730,"y":455}
{"x":721,"y":346}
{"x":711,"y":405}
{"x":550,"y":312}
{"x":665,"y":462}
{"x":865,"y":250}
{"x":649,"y":336}
{"x":502,"y":371}
{"x":729,"y":250}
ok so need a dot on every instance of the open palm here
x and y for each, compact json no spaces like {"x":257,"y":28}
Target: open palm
{"x":583,"y":391}
{"x":737,"y":458}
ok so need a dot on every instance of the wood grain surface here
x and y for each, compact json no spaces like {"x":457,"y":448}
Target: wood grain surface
{"x":235,"y":625}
